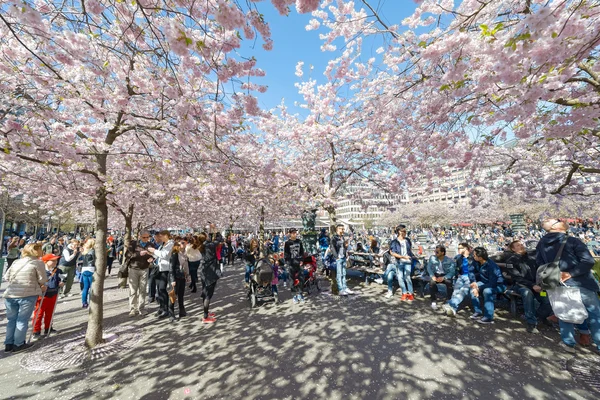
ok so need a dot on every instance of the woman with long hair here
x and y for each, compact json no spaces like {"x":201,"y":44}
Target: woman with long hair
{"x":208,"y":275}
{"x":177,"y":277}
{"x":192,"y":251}
{"x":87,"y":270}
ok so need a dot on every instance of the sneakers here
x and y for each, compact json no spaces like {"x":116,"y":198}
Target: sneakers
{"x":378,"y":280}
{"x":410,"y":297}
{"x":8,"y":348}
{"x":532,"y":329}
{"x":209,"y":320}
{"x":350,"y":291}
{"x":434,"y":306}
{"x":51,"y":330}
{"x":301,"y":298}
{"x":567,"y":348}
{"x":295,"y":299}
{"x":212,"y":315}
{"x":143,"y":312}
{"x":476,"y":316}
{"x":132,"y":313}
{"x":404,"y":297}
{"x":343,"y":293}
{"x":451,"y":312}
{"x":23,"y":347}
{"x":284,"y":284}
{"x":85,"y":305}
{"x":36,"y":336}
{"x":389,"y":294}
{"x":485,"y":321}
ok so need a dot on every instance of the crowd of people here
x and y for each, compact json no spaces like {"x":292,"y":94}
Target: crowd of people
{"x":160,"y":267}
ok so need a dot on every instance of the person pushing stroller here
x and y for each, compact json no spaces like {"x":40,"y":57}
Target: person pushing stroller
{"x":292,"y":254}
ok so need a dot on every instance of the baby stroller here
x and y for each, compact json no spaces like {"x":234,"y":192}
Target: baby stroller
{"x":311,"y":281}
{"x":260,"y":283}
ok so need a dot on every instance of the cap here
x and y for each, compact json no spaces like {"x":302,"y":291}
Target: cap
{"x":50,"y":257}
{"x":292,"y":230}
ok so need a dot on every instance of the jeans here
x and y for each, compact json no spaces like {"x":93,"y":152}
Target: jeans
{"x":194,"y":273}
{"x":592,"y":305}
{"x":389,"y":275}
{"x":87,"y":278}
{"x":18,"y":313}
{"x":162,"y":280}
{"x":249,"y":268}
{"x":433,"y":288}
{"x":340,"y":274}
{"x":529,"y":297}
{"x":489,"y":298}
{"x":461,"y":290}
{"x":404,"y":278}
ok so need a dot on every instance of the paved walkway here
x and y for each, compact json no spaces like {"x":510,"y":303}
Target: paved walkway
{"x":360,"y":347}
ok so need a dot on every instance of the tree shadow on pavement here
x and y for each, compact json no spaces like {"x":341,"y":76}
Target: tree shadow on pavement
{"x":360,"y":347}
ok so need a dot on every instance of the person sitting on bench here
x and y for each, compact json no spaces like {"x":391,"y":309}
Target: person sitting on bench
{"x":441,"y":269}
{"x":523,"y":276}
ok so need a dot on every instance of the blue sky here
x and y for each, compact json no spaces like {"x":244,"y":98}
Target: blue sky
{"x":293,"y":43}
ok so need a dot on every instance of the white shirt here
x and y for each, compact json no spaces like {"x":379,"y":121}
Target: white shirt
{"x":163,"y":256}
{"x":192,"y":254}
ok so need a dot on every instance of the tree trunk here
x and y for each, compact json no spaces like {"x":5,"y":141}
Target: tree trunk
{"x":128,"y":224}
{"x":138,"y":230}
{"x":332,"y":219}
{"x":93,"y":335}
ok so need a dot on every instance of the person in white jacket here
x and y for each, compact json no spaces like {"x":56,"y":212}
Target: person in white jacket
{"x":163,"y":257}
{"x":26,"y":281}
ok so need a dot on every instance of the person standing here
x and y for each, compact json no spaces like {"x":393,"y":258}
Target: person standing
{"x":339,"y":251}
{"x":208,"y":272}
{"x":293,"y":250}
{"x":26,"y":281}
{"x":163,"y":260}
{"x":44,"y":310}
{"x":576,"y":265}
{"x":87,"y":270}
{"x":111,"y":254}
{"x":138,"y":261}
{"x":178,"y":274}
{"x":194,"y":260}
{"x":13,"y":252}
{"x":401,"y":249}
{"x":68,"y":264}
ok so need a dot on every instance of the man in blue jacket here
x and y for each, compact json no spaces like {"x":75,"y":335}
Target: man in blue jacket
{"x":576,"y":264}
{"x":489,"y":283}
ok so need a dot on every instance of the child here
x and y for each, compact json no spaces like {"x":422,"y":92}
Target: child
{"x":275,"y":281}
{"x":47,"y":308}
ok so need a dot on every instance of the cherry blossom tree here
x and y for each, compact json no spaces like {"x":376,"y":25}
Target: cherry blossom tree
{"x":478,"y":84}
{"x":91,"y":88}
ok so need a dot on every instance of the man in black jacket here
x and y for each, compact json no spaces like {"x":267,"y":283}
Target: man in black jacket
{"x":523,"y":277}
{"x":576,"y":264}
{"x":293,"y":252}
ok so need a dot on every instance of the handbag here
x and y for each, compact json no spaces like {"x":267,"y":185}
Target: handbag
{"x":172,"y":296}
{"x":548,"y":275}
{"x":567,"y":304}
